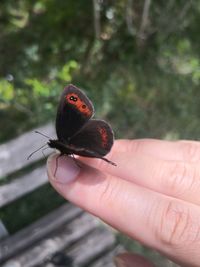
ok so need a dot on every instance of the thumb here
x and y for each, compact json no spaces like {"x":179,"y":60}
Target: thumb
{"x":130,"y":260}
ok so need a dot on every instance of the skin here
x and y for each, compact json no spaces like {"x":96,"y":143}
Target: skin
{"x":153,"y":195}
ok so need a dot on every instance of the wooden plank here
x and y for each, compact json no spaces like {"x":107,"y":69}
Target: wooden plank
{"x":13,"y":155}
{"x":84,"y":251}
{"x":3,"y":230}
{"x":22,"y":186}
{"x":106,"y":260}
{"x":38,"y":230}
{"x":91,"y":247}
{"x":56,"y":241}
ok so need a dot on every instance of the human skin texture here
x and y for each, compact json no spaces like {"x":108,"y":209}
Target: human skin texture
{"x":152,"y":195}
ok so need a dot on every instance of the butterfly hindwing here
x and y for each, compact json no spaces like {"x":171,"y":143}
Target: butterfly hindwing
{"x":74,"y":110}
{"x":96,"y":136}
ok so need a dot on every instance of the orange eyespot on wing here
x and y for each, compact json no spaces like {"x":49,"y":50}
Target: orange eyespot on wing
{"x":79,"y":104}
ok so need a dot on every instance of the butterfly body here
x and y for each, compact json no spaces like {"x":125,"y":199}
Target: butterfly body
{"x":77,"y":132}
{"x":64,"y":149}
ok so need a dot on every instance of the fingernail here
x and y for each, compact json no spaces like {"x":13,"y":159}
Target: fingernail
{"x":119,"y":262}
{"x":62,"y":169}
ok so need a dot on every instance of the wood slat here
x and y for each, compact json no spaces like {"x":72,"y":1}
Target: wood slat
{"x":56,"y":241}
{"x":3,"y":230}
{"x":87,"y":249}
{"x":22,"y":186}
{"x":38,"y":230}
{"x":91,"y":247}
{"x":106,"y":260}
{"x":13,"y":155}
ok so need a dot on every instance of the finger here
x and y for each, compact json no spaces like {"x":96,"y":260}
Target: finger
{"x":166,"y":224}
{"x":169,"y":150}
{"x":131,"y":260}
{"x":173,"y":178}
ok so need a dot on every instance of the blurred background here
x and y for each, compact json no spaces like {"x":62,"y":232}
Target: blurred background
{"x":138,"y":61}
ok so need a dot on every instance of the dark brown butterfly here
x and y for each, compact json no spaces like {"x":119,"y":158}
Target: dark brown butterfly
{"x":77,"y":132}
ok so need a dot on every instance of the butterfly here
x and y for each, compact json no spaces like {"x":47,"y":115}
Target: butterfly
{"x":77,"y":132}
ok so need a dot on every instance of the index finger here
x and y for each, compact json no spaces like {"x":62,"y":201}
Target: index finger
{"x":184,"y":150}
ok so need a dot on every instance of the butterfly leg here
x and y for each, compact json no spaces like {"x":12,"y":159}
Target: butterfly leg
{"x":72,"y":156}
{"x":75,"y":160}
{"x":43,"y":151}
{"x":56,"y":164}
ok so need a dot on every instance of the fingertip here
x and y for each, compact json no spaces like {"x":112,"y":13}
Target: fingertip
{"x":74,"y":180}
{"x":62,"y":169}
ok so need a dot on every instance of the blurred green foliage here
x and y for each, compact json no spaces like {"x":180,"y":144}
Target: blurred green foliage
{"x":138,"y":61}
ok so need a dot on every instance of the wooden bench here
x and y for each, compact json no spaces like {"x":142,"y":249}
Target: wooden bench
{"x":67,"y":236}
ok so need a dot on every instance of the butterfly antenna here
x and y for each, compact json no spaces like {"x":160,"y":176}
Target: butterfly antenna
{"x":35,"y":151}
{"x":42,"y":134}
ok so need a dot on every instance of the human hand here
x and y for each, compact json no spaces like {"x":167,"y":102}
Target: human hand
{"x":153,"y":195}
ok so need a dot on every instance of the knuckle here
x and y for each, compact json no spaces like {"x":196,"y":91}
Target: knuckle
{"x":177,"y":228}
{"x":179,"y":178}
{"x":190,"y":151}
{"x":108,"y":192}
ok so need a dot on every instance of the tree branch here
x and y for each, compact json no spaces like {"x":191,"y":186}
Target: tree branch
{"x":129,"y":17}
{"x":97,"y":26}
{"x":145,"y":19}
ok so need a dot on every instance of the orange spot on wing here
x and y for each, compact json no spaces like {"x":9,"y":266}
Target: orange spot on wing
{"x":83,"y":108}
{"x":79,"y":104}
{"x":104,"y":137}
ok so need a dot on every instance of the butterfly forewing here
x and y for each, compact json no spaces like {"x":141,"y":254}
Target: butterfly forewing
{"x":95,"y":136}
{"x":74,"y":110}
